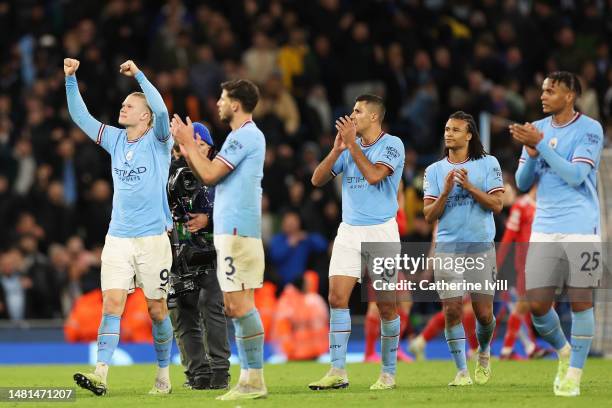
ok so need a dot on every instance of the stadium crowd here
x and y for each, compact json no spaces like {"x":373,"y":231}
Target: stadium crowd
{"x":310,"y":59}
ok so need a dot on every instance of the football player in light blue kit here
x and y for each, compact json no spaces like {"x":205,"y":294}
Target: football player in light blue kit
{"x":462,"y":191}
{"x":371,"y":168}
{"x":562,"y":152}
{"x":137,"y":250}
{"x":237,"y":171}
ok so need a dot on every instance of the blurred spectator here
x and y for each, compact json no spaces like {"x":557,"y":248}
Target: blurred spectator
{"x":276,"y":113}
{"x":89,"y":162}
{"x":170,"y":47}
{"x":273,"y":171}
{"x":588,"y":102}
{"x":363,"y":56}
{"x":96,"y":213}
{"x":26,"y":167}
{"x":267,"y":220}
{"x":26,"y":225}
{"x":301,"y":324}
{"x":8,"y":208}
{"x":67,"y":171}
{"x":45,"y":286}
{"x":205,"y":75}
{"x":397,"y":84}
{"x":329,"y":69}
{"x":318,"y":101}
{"x":59,"y":262}
{"x":183,"y":100}
{"x":14,"y":286}
{"x":266,"y":302}
{"x":56,"y":219}
{"x":290,"y":249}
{"x":292,"y":57}
{"x":83,"y":273}
{"x":261,"y":60}
{"x":83,"y":321}
{"x":569,"y":55}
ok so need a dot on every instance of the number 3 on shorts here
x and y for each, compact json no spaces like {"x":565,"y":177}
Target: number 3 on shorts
{"x":230,"y":265}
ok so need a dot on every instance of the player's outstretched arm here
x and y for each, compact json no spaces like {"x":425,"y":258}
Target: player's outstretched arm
{"x":161,"y":125}
{"x":76,"y":106}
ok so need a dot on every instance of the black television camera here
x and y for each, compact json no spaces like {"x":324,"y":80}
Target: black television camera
{"x":195,"y":255}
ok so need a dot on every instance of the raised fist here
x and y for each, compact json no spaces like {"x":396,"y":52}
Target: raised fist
{"x":70,"y":66}
{"x":128,"y":68}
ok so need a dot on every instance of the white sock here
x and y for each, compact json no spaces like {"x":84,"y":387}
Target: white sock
{"x":463,"y":373}
{"x":506,"y":351}
{"x":341,"y":372}
{"x":564,"y":352}
{"x":387,"y":378}
{"x":163,"y":373}
{"x":574,"y":373}
{"x":102,"y":371}
{"x":419,"y":341}
{"x":484,"y":358}
{"x":255,"y":377}
{"x":244,"y":376}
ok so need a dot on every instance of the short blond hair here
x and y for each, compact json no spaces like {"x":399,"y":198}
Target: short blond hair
{"x":142,"y":95}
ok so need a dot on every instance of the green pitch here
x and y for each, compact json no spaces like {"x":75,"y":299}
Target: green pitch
{"x":514,"y":384}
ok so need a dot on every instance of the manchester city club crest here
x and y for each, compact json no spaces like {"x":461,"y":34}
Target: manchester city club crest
{"x":553,"y":142}
{"x":129,"y":155}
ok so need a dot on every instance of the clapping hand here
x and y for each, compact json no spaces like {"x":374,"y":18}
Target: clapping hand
{"x":347,"y":130}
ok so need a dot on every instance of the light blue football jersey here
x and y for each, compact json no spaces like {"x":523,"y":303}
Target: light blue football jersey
{"x":365,"y":204}
{"x":139,"y":167}
{"x":464,"y":220}
{"x":561,"y":208}
{"x":237,"y":209}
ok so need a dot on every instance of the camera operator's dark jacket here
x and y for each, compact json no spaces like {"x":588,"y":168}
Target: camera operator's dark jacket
{"x":202,"y":203}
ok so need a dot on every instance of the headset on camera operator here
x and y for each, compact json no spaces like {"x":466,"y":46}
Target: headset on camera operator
{"x":195,"y":299}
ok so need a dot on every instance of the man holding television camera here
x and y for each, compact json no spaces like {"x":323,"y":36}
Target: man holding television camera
{"x":195,"y":299}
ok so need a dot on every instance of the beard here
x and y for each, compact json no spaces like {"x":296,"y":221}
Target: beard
{"x":226,"y":117}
